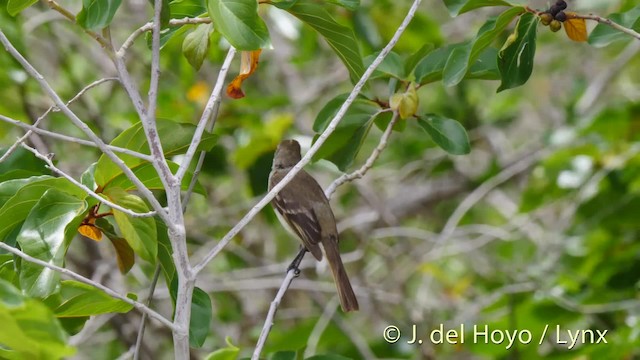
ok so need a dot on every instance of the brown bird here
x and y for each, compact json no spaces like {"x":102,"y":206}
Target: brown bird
{"x":303,"y":208}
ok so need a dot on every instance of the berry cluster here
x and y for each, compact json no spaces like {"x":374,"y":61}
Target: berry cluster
{"x":555,"y":16}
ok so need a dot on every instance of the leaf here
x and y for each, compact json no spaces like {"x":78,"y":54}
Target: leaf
{"x":284,"y":355}
{"x":97,"y":14}
{"x":14,"y":7}
{"x":457,"y":7}
{"x":412,"y":61}
{"x":576,"y":29}
{"x":515,"y":61}
{"x":248,"y":65}
{"x":603,"y":35}
{"x":347,"y":4}
{"x":447,"y":133}
{"x":175,"y":138}
{"x":430,"y":68}
{"x":165,"y":252}
{"x":140,"y":232}
{"x":124,"y":253}
{"x":486,"y":66}
{"x":84,"y":300}
{"x":150,"y":179}
{"x":10,"y":187}
{"x":239,"y":23}
{"x":228,"y":353}
{"x":29,"y":328}
{"x":340,"y":38}
{"x":456,"y":66}
{"x":24,"y":161}
{"x":345,"y":142}
{"x":44,"y":236}
{"x":196,"y":45}
{"x":392,"y":65}
{"x":91,"y":232}
{"x":201,"y":313}
{"x":328,"y":357}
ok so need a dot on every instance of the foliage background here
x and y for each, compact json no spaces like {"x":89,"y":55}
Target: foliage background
{"x":554,"y":243}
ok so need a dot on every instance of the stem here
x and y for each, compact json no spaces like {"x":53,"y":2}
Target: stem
{"x":606,"y":21}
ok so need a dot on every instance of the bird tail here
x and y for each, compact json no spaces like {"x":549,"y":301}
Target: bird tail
{"x":348,"y":300}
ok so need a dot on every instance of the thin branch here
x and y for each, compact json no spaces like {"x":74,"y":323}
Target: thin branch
{"x":149,"y":26}
{"x":140,"y":306}
{"x":321,"y":325}
{"x":605,"y":21}
{"x":81,"y":125}
{"x":58,"y":136}
{"x":358,"y":174}
{"x":268,"y":322}
{"x":319,"y":142}
{"x":207,"y":113}
{"x":90,"y":192}
{"x":71,"y":17}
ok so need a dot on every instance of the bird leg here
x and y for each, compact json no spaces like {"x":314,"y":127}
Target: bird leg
{"x":297,"y":260}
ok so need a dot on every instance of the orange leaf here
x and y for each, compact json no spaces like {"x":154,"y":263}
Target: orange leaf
{"x":248,"y":65}
{"x":90,"y":231}
{"x":575,"y":28}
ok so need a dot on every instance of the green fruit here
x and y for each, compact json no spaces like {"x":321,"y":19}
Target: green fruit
{"x":546,"y":18}
{"x":555,"y":25}
{"x":406,"y":104}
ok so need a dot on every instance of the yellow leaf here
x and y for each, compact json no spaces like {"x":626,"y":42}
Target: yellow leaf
{"x":575,"y":28}
{"x":248,"y":65}
{"x":90,"y":231}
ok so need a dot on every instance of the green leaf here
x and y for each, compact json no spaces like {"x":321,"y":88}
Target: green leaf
{"x":14,"y":7}
{"x":485,"y":66}
{"x":447,"y":133}
{"x":230,"y":352}
{"x":24,"y":161}
{"x":165,"y":252}
{"x":140,"y":232}
{"x":238,"y":21}
{"x":345,"y":142}
{"x":347,"y":4}
{"x":456,"y":66}
{"x":196,"y":45}
{"x":45,"y":235}
{"x":97,"y":14}
{"x":392,"y":65}
{"x":603,"y":35}
{"x":187,"y":8}
{"x":412,"y":61}
{"x":15,"y":209}
{"x":430,"y":68}
{"x":10,"y":187}
{"x":29,"y":329}
{"x":149,"y":177}
{"x":175,"y":139}
{"x":328,"y":357}
{"x":80,"y":300}
{"x":457,"y":7}
{"x":516,"y":60}
{"x":340,"y":38}
{"x":201,"y":312}
{"x":284,"y":355}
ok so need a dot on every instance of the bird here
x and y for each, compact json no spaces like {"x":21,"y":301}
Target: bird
{"x":303,"y":208}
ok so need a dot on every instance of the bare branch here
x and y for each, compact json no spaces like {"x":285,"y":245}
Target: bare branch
{"x":149,"y":26}
{"x":81,"y":125}
{"x":141,"y":307}
{"x":212,"y":104}
{"x":71,"y":17}
{"x":323,"y":137}
{"x":358,"y":174}
{"x":91,"y":193}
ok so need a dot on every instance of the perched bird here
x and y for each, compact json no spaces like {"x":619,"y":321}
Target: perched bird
{"x":303,"y":208}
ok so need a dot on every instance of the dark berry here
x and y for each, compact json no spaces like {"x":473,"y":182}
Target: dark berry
{"x":561,"y":16}
{"x":561,"y":4}
{"x":554,"y":9}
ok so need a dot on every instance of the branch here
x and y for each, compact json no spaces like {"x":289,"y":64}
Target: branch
{"x":319,"y":142}
{"x":268,"y":322}
{"x":149,"y":26}
{"x":143,"y":321}
{"x":81,"y":125}
{"x":71,"y":17}
{"x":141,"y":307}
{"x":90,"y":192}
{"x":212,"y":104}
{"x":55,"y":135}
{"x":358,"y":174}
{"x":605,"y":21}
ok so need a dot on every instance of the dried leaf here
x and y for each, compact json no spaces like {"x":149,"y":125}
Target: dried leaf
{"x":124,"y":254}
{"x":575,"y":28}
{"x":90,"y":231}
{"x":248,"y":65}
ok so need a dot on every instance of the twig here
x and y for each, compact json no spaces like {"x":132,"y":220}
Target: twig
{"x":140,"y":306}
{"x":68,"y":138}
{"x":268,"y":322}
{"x":143,"y":321}
{"x":207,"y":113}
{"x":322,"y":323}
{"x":50,"y":109}
{"x":319,"y":142}
{"x":605,"y":21}
{"x":149,"y":26}
{"x":71,"y":17}
{"x":358,"y":174}
{"x":81,"y":125}
{"x":90,"y":192}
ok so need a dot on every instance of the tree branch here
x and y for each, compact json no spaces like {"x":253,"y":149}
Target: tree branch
{"x":90,"y":192}
{"x":605,"y":21}
{"x":71,"y":17}
{"x":319,"y":142}
{"x":141,"y":307}
{"x":149,"y":26}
